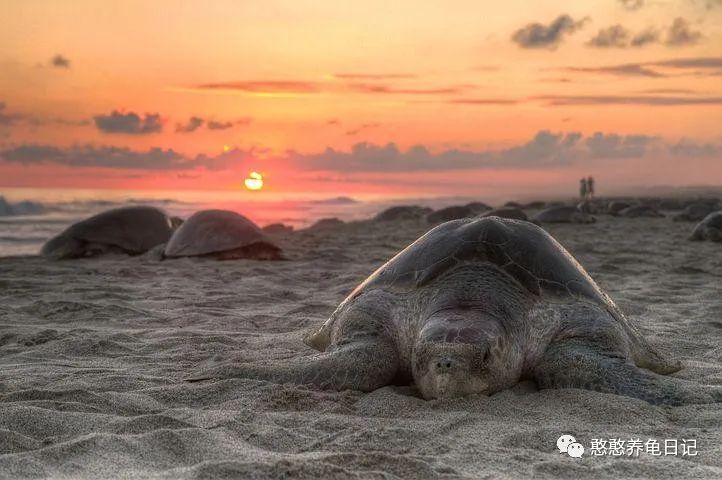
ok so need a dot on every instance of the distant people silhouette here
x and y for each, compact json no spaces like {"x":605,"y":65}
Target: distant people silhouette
{"x":583,"y":188}
{"x":590,"y":186}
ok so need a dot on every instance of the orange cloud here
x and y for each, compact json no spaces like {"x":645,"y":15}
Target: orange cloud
{"x":264,"y":86}
{"x":373,"y":76}
{"x":388,"y":89}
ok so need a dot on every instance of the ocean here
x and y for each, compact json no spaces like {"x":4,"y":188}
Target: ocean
{"x":29,"y":217}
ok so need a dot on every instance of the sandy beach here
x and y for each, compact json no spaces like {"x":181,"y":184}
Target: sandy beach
{"x":93,"y":354}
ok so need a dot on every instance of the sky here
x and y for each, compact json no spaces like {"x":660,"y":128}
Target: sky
{"x":360,"y":98}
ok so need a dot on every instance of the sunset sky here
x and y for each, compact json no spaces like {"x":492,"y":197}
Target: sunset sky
{"x":374,"y":97}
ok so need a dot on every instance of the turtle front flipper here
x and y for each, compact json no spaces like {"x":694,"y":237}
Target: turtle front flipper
{"x":580,"y":363}
{"x":363,"y":364}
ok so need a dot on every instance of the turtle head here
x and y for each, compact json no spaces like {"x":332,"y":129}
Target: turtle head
{"x":62,"y":246}
{"x":445,"y":370}
{"x":457,"y":355}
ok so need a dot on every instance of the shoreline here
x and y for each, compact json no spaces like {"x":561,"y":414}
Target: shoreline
{"x":27,"y":233}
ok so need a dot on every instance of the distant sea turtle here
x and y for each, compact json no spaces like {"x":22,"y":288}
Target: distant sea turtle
{"x":563,"y":214}
{"x":507,"y":212}
{"x":450,"y":213}
{"x":640,"y":211}
{"x":535,"y":205}
{"x":324,"y":223}
{"x":695,"y":212}
{"x":402,"y":212}
{"x":478,"y":207}
{"x":713,"y":201}
{"x":222,"y":234}
{"x":671,"y":204}
{"x":593,"y":206}
{"x":710,"y":228}
{"x":475,"y":306}
{"x":130,"y":230}
{"x":277,"y":229}
{"x":616,"y":206}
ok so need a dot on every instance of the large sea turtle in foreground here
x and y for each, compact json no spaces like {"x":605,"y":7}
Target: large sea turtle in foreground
{"x":710,"y":228}
{"x":221,"y":234}
{"x":475,"y":306}
{"x":131,"y":230}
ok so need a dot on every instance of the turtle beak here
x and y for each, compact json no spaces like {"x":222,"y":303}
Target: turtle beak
{"x":449,"y":378}
{"x":444,"y":365}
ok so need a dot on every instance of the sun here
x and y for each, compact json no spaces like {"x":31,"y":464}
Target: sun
{"x":254,"y":181}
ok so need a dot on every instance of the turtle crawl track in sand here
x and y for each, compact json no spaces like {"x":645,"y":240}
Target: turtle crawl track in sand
{"x":475,"y":306}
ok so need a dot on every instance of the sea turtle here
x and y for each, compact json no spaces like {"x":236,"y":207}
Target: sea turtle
{"x":450,"y":213}
{"x":131,"y":230}
{"x":402,"y":212}
{"x":563,"y":214}
{"x":478,"y":207}
{"x":713,"y":201}
{"x":507,"y":212}
{"x":278,"y":229}
{"x":475,"y":306}
{"x":616,"y":206}
{"x":636,"y":211}
{"x":671,"y":204}
{"x":326,"y":223}
{"x":535,"y":205}
{"x":695,"y":212}
{"x":592,"y":206}
{"x":710,"y":228}
{"x":222,"y":234}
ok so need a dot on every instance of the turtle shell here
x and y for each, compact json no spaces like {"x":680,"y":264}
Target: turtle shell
{"x":402,"y":212}
{"x":134,"y":230}
{"x":450,"y":213}
{"x":214,"y":231}
{"x":563,"y":214}
{"x":521,"y":249}
{"x":640,"y":211}
{"x":710,"y":228}
{"x":507,"y":212}
{"x":478,"y":207}
{"x":616,"y":206}
{"x":695,"y":212}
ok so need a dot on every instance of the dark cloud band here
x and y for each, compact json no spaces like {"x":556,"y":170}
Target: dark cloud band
{"x":128,"y":123}
{"x":538,"y":35}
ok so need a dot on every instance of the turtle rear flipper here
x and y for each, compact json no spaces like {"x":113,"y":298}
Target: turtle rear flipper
{"x":319,"y":338}
{"x":645,"y":356}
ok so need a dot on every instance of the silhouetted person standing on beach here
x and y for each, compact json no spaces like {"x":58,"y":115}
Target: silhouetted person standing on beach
{"x":583,"y":188}
{"x":590,"y":186}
